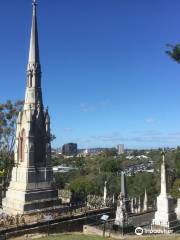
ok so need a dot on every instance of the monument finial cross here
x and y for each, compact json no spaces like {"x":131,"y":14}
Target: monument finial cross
{"x":34,"y":3}
{"x":163,"y":154}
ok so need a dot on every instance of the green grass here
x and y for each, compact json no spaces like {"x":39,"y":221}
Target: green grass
{"x":164,"y":237}
{"x":77,"y":236}
{"x":71,"y":237}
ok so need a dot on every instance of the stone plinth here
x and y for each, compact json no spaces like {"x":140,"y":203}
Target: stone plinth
{"x":177,"y":210}
{"x":119,"y":220}
{"x":30,"y":190}
{"x":121,"y":213}
{"x":165,"y":215}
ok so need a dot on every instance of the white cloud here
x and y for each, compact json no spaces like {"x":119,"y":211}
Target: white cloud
{"x":149,"y":120}
{"x":68,"y":129}
{"x":85,"y":107}
{"x":140,"y":137}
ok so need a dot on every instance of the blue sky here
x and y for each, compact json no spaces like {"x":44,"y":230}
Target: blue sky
{"x":106,"y":77}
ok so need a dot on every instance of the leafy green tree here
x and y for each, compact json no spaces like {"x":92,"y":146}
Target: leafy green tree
{"x":80,"y":163}
{"x":63,"y":179}
{"x":175,"y":192}
{"x":111,"y":165}
{"x":135,"y":152}
{"x":114,"y":185}
{"x":109,"y":152}
{"x":82,"y":186}
{"x":8,"y":115}
{"x":138,"y":183}
{"x":177,"y":161}
{"x":174,"y":52}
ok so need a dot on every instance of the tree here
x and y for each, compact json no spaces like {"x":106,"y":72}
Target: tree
{"x":177,"y":161}
{"x":111,"y":165}
{"x":176,"y":189}
{"x":8,"y":115}
{"x":109,"y":152}
{"x":82,"y":186}
{"x":174,"y":52}
{"x":135,"y":152}
{"x":137,"y":184}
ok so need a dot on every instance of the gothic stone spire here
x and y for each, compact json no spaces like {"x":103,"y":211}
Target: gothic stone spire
{"x":37,"y":121}
{"x":33,"y":98}
{"x":31,"y":186}
{"x":34,"y":46}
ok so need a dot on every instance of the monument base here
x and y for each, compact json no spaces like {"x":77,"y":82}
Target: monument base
{"x":30,"y":202}
{"x":177,"y":209}
{"x":165,"y":215}
{"x":120,"y":218}
{"x":30,"y":190}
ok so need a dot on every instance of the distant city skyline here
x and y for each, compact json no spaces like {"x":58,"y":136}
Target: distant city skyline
{"x":105,"y":74}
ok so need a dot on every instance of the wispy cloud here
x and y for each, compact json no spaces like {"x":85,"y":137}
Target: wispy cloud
{"x":68,"y":130}
{"x":112,"y":137}
{"x":149,"y":120}
{"x":151,"y":138}
{"x":174,"y":135}
{"x":86,"y":107}
{"x":151,"y":133}
{"x":104,"y":103}
{"x":141,"y":137}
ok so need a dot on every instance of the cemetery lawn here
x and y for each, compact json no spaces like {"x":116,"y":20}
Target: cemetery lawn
{"x":90,"y":237}
{"x":71,"y":237}
{"x":77,"y":236}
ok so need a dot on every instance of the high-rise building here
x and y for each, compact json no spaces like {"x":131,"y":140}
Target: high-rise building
{"x":120,"y":148}
{"x":31,"y":187}
{"x":69,"y":149}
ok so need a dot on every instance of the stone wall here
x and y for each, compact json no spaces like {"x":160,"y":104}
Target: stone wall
{"x":61,"y":226}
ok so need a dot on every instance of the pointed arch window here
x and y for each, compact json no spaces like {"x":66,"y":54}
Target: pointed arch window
{"x":22,"y":145}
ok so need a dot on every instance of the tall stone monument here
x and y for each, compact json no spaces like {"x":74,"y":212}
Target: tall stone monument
{"x":31,"y":186}
{"x":123,"y":207}
{"x":139,"y":205}
{"x":145,"y":202}
{"x":121,"y":213}
{"x":105,"y":192}
{"x":132,"y":205}
{"x":165,"y":215}
{"x":124,"y":192}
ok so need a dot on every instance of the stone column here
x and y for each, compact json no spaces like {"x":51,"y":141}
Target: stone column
{"x":145,"y":206}
{"x":139,"y":205}
{"x":177,"y":210}
{"x":105,"y":191}
{"x":163,"y":177}
{"x":132,"y":205}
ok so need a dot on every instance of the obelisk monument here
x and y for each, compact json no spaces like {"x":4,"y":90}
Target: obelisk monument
{"x":145,"y":202}
{"x":165,"y":215}
{"x":123,"y":207}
